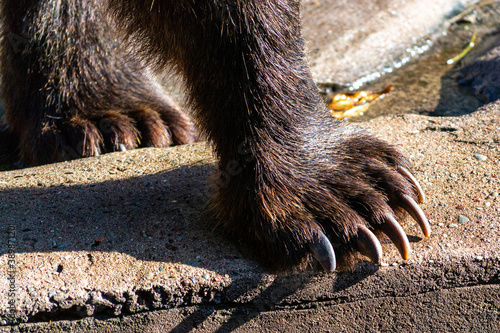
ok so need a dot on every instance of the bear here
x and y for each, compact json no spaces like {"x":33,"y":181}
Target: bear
{"x":295,"y":185}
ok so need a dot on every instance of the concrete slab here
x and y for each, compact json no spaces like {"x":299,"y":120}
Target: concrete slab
{"x":121,"y":235}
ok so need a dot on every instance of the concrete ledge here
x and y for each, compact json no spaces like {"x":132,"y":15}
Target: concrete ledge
{"x":117,"y":242}
{"x":454,"y":310}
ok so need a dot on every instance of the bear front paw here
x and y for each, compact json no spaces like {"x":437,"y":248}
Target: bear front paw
{"x":322,"y":203}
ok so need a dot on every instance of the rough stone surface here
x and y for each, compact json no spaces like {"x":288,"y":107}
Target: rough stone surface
{"x":135,"y":243}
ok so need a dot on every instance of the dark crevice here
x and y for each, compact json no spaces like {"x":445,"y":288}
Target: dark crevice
{"x":145,"y":300}
{"x":102,"y":313}
{"x":111,"y":305}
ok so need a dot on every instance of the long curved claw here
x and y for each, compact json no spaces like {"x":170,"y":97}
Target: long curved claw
{"x":368,"y":244}
{"x":408,"y":175}
{"x":395,"y":232}
{"x":417,"y":213}
{"x":322,"y":250}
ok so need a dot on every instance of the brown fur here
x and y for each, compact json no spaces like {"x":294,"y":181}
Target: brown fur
{"x":287,"y":170}
{"x":70,"y":90}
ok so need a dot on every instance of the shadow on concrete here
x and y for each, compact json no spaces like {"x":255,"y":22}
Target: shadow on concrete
{"x":128,"y":215}
{"x":155,"y":217}
{"x":276,"y":296}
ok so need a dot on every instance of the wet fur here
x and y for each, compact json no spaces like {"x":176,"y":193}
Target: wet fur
{"x":287,"y":169}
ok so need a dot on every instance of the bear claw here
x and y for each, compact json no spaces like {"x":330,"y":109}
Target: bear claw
{"x":368,"y":244}
{"x":408,"y":175}
{"x":417,"y":213}
{"x":396,"y":234}
{"x":322,"y":250}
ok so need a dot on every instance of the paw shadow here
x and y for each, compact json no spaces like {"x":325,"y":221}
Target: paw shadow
{"x":159,"y":217}
{"x":152,"y":217}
